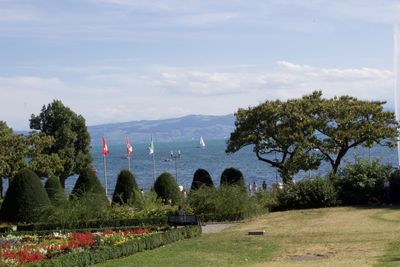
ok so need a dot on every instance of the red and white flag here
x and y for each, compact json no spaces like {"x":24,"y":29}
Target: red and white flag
{"x":105,"y":148}
{"x":129,"y":148}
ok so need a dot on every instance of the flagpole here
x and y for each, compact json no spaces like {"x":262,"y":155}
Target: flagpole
{"x":129,"y":163}
{"x":105,"y":173}
{"x":154,"y":168}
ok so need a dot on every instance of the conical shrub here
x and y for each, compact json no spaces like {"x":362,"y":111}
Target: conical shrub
{"x":126,"y":190}
{"x":167,"y":189}
{"x":201,"y":178}
{"x":88,"y":183}
{"x":55,"y":192}
{"x":25,"y":198}
{"x":232,"y":176}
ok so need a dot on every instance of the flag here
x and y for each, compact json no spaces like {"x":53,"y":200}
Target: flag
{"x":151,"y":147}
{"x":105,"y":148}
{"x":129,"y":148}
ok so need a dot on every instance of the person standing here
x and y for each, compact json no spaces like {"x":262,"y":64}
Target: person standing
{"x":264,"y":186}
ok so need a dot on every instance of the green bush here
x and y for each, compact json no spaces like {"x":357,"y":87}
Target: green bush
{"x":88,"y":184}
{"x":307,"y":194}
{"x":55,"y":191}
{"x":395,"y":186}
{"x":24,"y":199}
{"x":126,"y":190}
{"x":226,"y":203}
{"x":232,"y":176}
{"x":201,"y":178}
{"x":167,"y":189}
{"x":360,"y":182}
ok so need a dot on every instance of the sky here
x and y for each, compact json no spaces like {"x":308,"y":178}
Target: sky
{"x":124,"y":60}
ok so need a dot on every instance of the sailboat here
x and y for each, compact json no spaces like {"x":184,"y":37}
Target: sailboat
{"x":201,"y":143}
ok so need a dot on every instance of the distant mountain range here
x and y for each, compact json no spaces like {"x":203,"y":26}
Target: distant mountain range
{"x":186,"y":128}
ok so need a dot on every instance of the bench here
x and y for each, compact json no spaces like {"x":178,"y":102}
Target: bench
{"x":183,"y":220}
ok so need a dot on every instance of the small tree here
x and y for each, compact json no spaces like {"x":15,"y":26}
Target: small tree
{"x":167,"y":189}
{"x":88,"y":183}
{"x":126,"y":189}
{"x":55,"y":191}
{"x":232,"y":176}
{"x":24,"y":198}
{"x":201,"y":178}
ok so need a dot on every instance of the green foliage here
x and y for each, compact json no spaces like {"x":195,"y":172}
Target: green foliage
{"x":201,"y":178}
{"x":307,"y":194}
{"x":395,"y":186}
{"x":12,"y":153}
{"x":167,"y":189}
{"x":24,"y":198}
{"x":88,"y":182}
{"x":232,"y":176}
{"x":291,"y":131}
{"x":55,"y":191}
{"x":346,"y":122}
{"x":85,"y":258}
{"x":226,"y":203}
{"x":358,"y":183}
{"x":71,"y":138}
{"x":126,"y":189}
{"x":281,"y":130}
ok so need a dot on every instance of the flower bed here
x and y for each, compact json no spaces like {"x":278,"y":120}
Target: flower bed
{"x":18,"y":250}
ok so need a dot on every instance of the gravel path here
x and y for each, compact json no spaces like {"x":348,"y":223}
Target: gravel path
{"x":215,"y":228}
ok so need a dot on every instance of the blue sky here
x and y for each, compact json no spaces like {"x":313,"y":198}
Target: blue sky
{"x":122,"y":60}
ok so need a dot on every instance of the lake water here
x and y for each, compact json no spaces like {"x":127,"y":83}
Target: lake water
{"x":212,"y":158}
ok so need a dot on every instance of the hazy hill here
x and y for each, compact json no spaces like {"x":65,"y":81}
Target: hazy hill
{"x":168,"y":130}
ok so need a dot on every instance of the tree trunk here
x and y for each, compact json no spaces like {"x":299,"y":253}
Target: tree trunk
{"x":286,"y":178}
{"x":62,"y":181}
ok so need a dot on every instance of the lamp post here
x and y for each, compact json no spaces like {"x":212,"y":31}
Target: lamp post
{"x":175,"y":158}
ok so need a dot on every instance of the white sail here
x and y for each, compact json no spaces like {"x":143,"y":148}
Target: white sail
{"x":201,"y":142}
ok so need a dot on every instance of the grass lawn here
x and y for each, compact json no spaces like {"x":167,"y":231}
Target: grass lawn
{"x":319,"y":237}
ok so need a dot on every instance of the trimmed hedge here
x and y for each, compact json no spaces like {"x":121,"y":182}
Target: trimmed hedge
{"x":201,"y":178}
{"x":167,"y":189}
{"x":55,"y":191}
{"x":102,"y":254}
{"x":232,"y":176}
{"x":24,"y":198}
{"x":93,"y":224}
{"x":125,"y":188}
{"x":88,"y":182}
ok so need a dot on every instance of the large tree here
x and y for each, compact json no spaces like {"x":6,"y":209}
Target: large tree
{"x":280,"y":133}
{"x":343,"y":123}
{"x":71,"y":138}
{"x":12,"y":153}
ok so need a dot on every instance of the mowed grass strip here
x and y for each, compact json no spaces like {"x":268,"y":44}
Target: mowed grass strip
{"x":319,"y":237}
{"x":221,"y":249}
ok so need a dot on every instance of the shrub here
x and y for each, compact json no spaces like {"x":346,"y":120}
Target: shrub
{"x":201,"y":178}
{"x":307,"y":194}
{"x":88,"y":183}
{"x":24,"y":198}
{"x":227,"y":203}
{"x":167,"y":189}
{"x":360,"y":182}
{"x":232,"y":176}
{"x":126,"y":189}
{"x":55,"y":191}
{"x":395,"y":186}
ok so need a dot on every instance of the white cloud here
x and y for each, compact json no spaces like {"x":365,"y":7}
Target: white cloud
{"x":161,"y":92}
